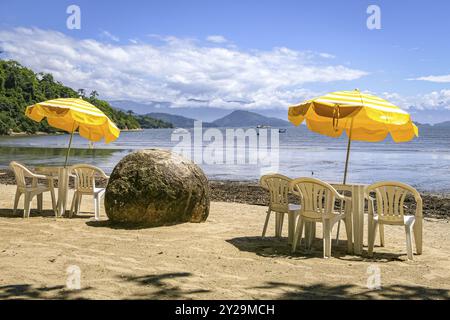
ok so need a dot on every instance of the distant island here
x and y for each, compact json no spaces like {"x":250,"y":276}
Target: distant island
{"x":237,"y":118}
{"x":21,"y":87}
{"x":242,"y":118}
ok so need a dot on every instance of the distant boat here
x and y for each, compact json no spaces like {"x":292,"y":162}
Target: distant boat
{"x":180,"y":131}
{"x":282,"y":130}
{"x":261,"y":126}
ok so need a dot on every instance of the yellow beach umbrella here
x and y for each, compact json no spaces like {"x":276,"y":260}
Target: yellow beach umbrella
{"x":363,"y":117}
{"x":71,"y":114}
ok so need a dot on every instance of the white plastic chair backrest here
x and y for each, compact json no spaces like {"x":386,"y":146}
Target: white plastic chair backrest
{"x":317,"y":197}
{"x":390,"y":197}
{"x":85,"y":176}
{"x":20,"y":172}
{"x":278,"y":186}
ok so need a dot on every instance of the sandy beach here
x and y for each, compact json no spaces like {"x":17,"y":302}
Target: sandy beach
{"x":223,"y":258}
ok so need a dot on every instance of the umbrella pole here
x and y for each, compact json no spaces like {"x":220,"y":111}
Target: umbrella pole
{"x":70,"y":144}
{"x":348,"y":152}
{"x":346,"y":159}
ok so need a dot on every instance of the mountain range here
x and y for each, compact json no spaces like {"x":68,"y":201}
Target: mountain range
{"x":209,"y":114}
{"x":237,"y":118}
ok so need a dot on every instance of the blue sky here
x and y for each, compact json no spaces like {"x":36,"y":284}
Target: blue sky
{"x":329,"y":39}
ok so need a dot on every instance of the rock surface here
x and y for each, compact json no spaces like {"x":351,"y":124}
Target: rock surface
{"x":156,"y":187}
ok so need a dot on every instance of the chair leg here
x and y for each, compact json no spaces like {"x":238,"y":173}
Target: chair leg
{"x":52,"y":194}
{"x":381,"y":227}
{"x":409,"y":250}
{"x":337,"y":233}
{"x":326,"y":238}
{"x":349,"y":232}
{"x":26,"y":205}
{"x":40,"y":199}
{"x":97,"y":207}
{"x":78,"y":204}
{"x":418,"y":234}
{"x":291,"y":226}
{"x":16,"y":200}
{"x":298,"y":234}
{"x":372,"y":236}
{"x":277,"y":223}
{"x":311,"y":235}
{"x":313,"y":231}
{"x":280,"y":231}
{"x":266,"y":223}
{"x":73,"y":206}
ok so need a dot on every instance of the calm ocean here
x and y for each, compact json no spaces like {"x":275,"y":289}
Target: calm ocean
{"x":423,"y":162}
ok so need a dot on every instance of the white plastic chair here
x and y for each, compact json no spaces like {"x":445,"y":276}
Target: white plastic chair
{"x":278,"y":187}
{"x":318,"y":202}
{"x":387,"y":208}
{"x":85,"y":185}
{"x":30,"y":191}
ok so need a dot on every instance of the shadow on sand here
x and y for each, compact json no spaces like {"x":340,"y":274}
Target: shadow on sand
{"x":8,"y":213}
{"x":27,"y":291}
{"x":160,"y":287}
{"x":125,"y":226}
{"x":271,"y":247}
{"x":322,"y":291}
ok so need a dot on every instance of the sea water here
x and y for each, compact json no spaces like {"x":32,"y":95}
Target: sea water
{"x":423,"y":162}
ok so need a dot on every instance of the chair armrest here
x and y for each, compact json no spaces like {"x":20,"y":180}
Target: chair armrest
{"x":342,"y":197}
{"x":35,"y":175}
{"x":41,"y":176}
{"x":347,"y":198}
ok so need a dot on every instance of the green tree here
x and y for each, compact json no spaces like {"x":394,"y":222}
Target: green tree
{"x":21,"y":87}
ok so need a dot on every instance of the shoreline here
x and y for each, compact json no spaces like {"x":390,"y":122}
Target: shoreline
{"x":41,"y":133}
{"x":435,"y":205}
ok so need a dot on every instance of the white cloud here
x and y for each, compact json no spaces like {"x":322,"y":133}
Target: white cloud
{"x":110,"y":36}
{"x":438,"y":79}
{"x":327,"y":55}
{"x":179,"y":71}
{"x":431,"y":101}
{"x":216,"y":39}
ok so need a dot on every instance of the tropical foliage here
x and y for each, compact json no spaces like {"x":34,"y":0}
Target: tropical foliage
{"x":21,"y":87}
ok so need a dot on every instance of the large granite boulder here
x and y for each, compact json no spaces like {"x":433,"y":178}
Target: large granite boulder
{"x":157,"y":187}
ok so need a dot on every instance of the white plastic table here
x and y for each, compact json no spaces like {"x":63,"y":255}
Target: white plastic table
{"x":63,"y":176}
{"x":357,"y":195}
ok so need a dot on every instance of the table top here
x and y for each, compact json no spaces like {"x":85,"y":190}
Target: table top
{"x":51,"y":171}
{"x":340,"y":184}
{"x":47,"y":170}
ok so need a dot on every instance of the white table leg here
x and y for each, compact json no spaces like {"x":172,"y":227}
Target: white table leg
{"x":358,"y":218}
{"x":63,"y":188}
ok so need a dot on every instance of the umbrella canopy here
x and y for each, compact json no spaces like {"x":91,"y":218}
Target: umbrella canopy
{"x":363,"y":117}
{"x":71,"y":114}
